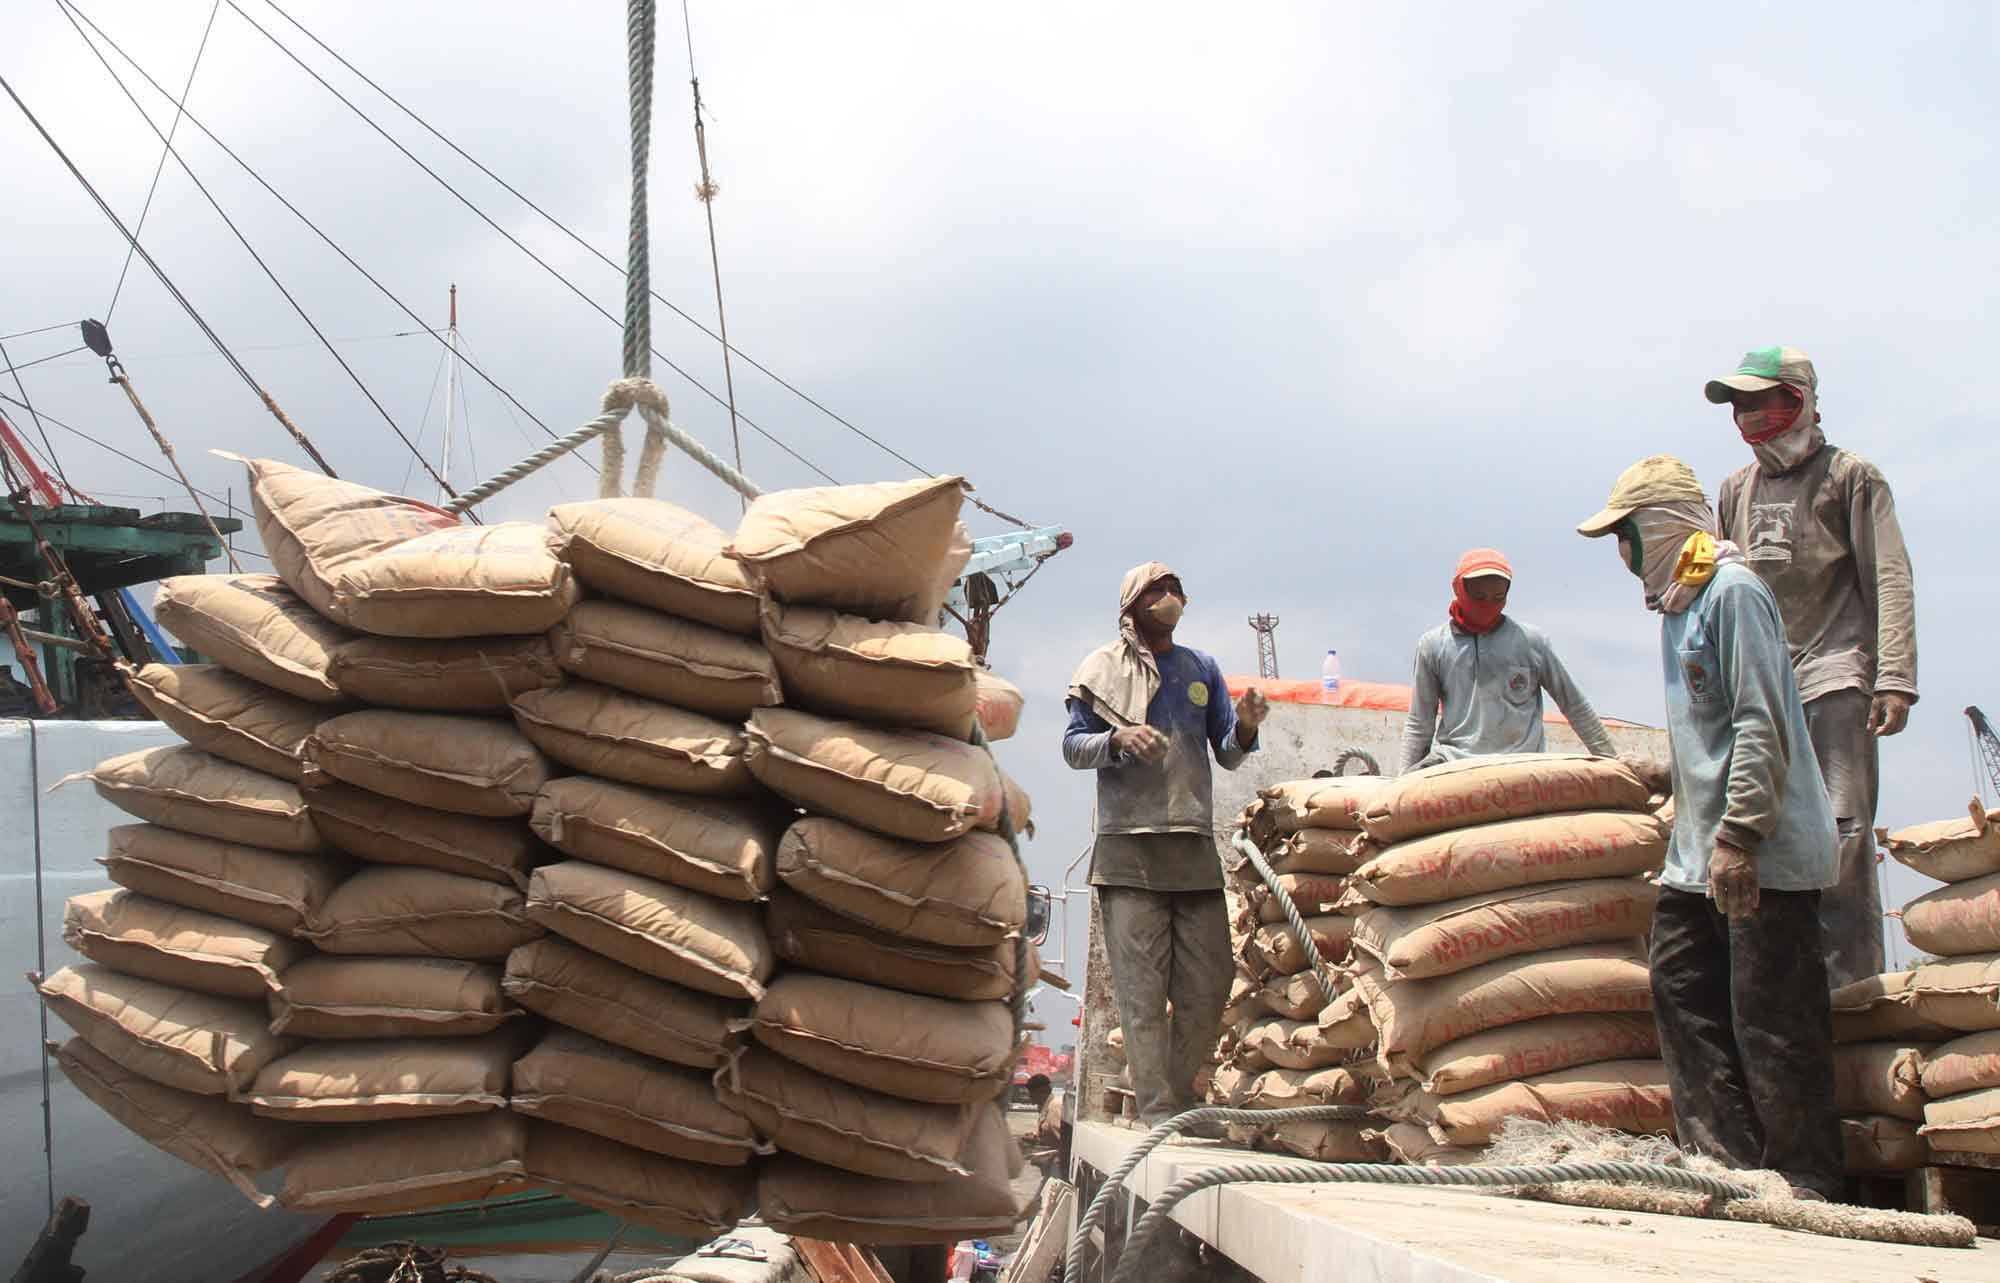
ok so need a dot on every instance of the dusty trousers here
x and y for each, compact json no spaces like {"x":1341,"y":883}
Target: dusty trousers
{"x":1167,"y":946}
{"x":1850,"y":911}
{"x":1746,"y":1031}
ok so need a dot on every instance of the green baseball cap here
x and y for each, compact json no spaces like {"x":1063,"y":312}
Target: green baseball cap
{"x":1658,"y":479}
{"x":1767,"y":367}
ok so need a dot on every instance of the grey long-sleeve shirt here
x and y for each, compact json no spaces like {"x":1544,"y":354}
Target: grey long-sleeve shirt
{"x":1471,"y":696}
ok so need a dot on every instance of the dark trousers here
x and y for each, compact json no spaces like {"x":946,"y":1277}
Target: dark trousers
{"x":1167,"y":948}
{"x":1850,"y":911}
{"x":1747,"y":1034}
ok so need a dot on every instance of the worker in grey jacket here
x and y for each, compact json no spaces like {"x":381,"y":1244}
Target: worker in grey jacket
{"x":1739,"y":978}
{"x":1819,"y":526}
{"x":1480,"y":675}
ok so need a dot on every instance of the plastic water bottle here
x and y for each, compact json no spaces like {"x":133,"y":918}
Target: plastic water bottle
{"x":1329,"y":673}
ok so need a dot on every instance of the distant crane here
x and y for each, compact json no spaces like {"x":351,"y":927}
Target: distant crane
{"x":1266,"y":628}
{"x":1989,"y":744}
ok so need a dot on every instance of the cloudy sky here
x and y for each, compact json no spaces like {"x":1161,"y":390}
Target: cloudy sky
{"x":1303,"y":299}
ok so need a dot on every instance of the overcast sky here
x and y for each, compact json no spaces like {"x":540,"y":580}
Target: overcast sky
{"x":1302,"y":299}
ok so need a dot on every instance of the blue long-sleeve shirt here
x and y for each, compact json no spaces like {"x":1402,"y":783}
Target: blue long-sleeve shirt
{"x":1174,"y":795}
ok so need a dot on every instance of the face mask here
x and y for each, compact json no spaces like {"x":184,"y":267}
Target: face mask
{"x":1759,"y":426}
{"x":1166,"y":612}
{"x":1475,"y":616}
{"x":1785,"y":451}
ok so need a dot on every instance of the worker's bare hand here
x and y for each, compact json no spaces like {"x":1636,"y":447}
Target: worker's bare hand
{"x":1889,"y":714}
{"x":1655,"y":775}
{"x":1732,"y":880}
{"x":1142,"y":742}
{"x":1252,"y":709}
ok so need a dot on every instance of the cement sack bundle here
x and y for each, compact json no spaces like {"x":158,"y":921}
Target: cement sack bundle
{"x":1331,"y":1141}
{"x":255,"y":627}
{"x":480,"y":675}
{"x":1484,"y":790}
{"x":906,"y":675}
{"x":1336,"y":852}
{"x":1421,"y":941}
{"x":1296,"y":1088}
{"x":1970,"y":1063}
{"x":848,"y":1127}
{"x":668,"y":932}
{"x":1414,"y":1146}
{"x":1332,"y":1038}
{"x":274,"y":890}
{"x":395,"y":567}
{"x":466,"y":765}
{"x":1961,"y":993}
{"x":1955,"y":920}
{"x":1949,"y":850}
{"x":1276,"y":951}
{"x":722,"y":847}
{"x":1539,"y":1046}
{"x":392,"y":1078}
{"x":904,"y":784}
{"x":1413,"y":1017}
{"x":887,"y":551}
{"x":216,"y":1135}
{"x":231,"y":716}
{"x":1880,"y":1078}
{"x":621,"y":737}
{"x":1883,"y":1008}
{"x":797,"y":1196}
{"x":330,"y":998}
{"x":1335,"y":803}
{"x":1295,"y":997}
{"x":580,"y":990}
{"x":675,"y":661}
{"x":421,"y":913}
{"x":193,"y":1041}
{"x":667,"y":1195}
{"x":964,"y":893}
{"x":574,"y":1080}
{"x":809,"y":935}
{"x":905,"y":1045}
{"x":651,"y":553}
{"x":1876,"y":1145}
{"x":1000,"y":705}
{"x":406,"y":1165}
{"x":190,"y":791}
{"x":1230,"y":1083}
{"x":184,"y":948}
{"x":1626,"y":1095}
{"x":1964,"y":1124}
{"x":1505,"y":854}
{"x":386,"y":830}
{"x":1312,"y":894}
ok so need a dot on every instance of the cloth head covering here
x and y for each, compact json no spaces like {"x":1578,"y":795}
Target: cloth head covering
{"x":1770,"y":367}
{"x":1117,"y":681}
{"x":1658,"y":503}
{"x":1478,"y":617}
{"x":1660,"y":479}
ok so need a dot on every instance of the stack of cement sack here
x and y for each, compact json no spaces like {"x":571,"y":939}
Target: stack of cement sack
{"x":1283,"y":1045}
{"x":1498,"y":947}
{"x":433,"y":797}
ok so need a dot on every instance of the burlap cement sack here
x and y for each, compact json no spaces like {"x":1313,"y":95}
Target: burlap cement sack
{"x":1338,"y":803}
{"x":800,"y":1197}
{"x":1949,"y":850}
{"x":334,"y":998}
{"x":666,"y":931}
{"x":384,"y":830}
{"x":1538,"y":1046}
{"x":1230,"y":1084}
{"x":616,"y":736}
{"x":906,"y":675}
{"x":583,"y":1082}
{"x":963,"y":894}
{"x":1414,"y":1145}
{"x":231,"y":716}
{"x":1958,"y":919}
{"x":424,"y":914}
{"x":1880,"y":1078}
{"x":1296,"y":997}
{"x":467,"y":765}
{"x":610,"y":1001}
{"x":809,"y":935}
{"x":1329,"y":1039}
{"x":719,"y":846}
{"x":906,"y":784}
{"x":887,"y":551}
{"x":1513,"y":853}
{"x":193,"y":1041}
{"x":1875,"y":1144}
{"x":1971,"y":1063}
{"x":675,"y":661}
{"x":1000,"y":705}
{"x":1484,"y":790}
{"x":1412,"y":1017}
{"x":1882,"y":1009}
{"x":406,"y":1165}
{"x":1297,"y":1088}
{"x":901,"y":1044}
{"x":652,"y":553}
{"x":1625,"y":1095}
{"x":1969,"y":1122}
{"x":1332,"y":1141}
{"x":841,"y":1125}
{"x":185,"y":948}
{"x":1335,"y":852}
{"x":1276,"y":949}
{"x":480,"y":675}
{"x":368,"y":1080}
{"x":190,"y":791}
{"x":313,"y":525}
{"x":667,"y":1195}
{"x":1959,"y":993}
{"x":269,"y":889}
{"x":1313,"y":894}
{"x":1421,"y":941}
{"x":255,"y":626}
{"x":213,"y":1134}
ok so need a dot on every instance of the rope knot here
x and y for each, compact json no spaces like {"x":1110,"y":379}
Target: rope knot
{"x":635,"y":393}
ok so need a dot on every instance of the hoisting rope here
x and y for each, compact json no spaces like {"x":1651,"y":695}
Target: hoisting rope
{"x":118,"y":376}
{"x":1324,"y":975}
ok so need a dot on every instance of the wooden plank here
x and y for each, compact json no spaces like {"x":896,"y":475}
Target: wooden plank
{"x":1956,"y":1189}
{"x":1047,"y":1238}
{"x":840,"y":1262}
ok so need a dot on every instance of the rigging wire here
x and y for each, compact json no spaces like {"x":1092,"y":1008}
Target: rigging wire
{"x":179,"y":109}
{"x":44,"y":360}
{"x":423,"y":424}
{"x":707,"y":193}
{"x":22,"y":388}
{"x":59,"y":325}
{"x":513,"y":419}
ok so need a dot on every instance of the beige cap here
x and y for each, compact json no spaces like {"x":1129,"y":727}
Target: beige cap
{"x":1659,"y":479}
{"x":1767,"y":367}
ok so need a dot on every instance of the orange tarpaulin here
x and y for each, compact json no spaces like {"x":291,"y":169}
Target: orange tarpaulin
{"x":1385,"y":697}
